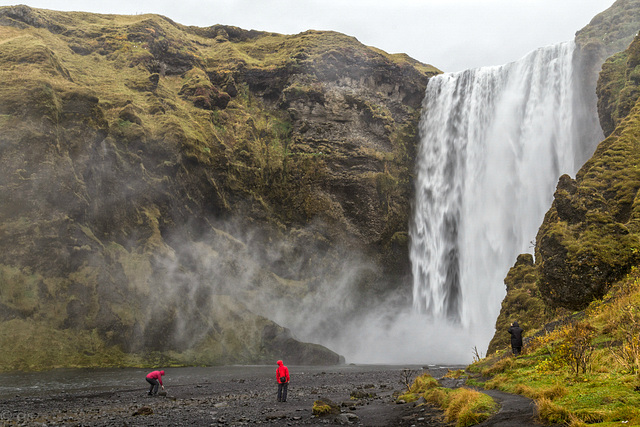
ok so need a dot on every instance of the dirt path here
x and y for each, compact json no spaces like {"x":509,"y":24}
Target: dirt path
{"x":515,"y":410}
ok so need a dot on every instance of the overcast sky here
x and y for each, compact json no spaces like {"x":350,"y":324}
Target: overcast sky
{"x":449,"y":34}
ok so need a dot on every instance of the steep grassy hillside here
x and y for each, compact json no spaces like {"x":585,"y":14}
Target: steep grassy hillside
{"x":168,"y":191}
{"x":612,"y":30}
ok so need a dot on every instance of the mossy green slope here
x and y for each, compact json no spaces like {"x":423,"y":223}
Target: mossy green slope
{"x":590,"y":237}
{"x":612,"y":30}
{"x":585,"y":370}
{"x":162,"y":184}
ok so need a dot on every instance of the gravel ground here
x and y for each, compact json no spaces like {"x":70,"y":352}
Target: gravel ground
{"x":366,"y":397}
{"x":236,"y":401}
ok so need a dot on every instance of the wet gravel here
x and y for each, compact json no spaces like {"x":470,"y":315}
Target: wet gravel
{"x":243,"y":400}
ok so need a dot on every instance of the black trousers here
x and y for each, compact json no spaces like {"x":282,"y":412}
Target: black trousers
{"x":154,"y":385}
{"x":282,"y":392}
{"x":516,"y":350}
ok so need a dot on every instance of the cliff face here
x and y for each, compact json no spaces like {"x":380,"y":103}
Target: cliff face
{"x":590,"y":236}
{"x":166,"y":190}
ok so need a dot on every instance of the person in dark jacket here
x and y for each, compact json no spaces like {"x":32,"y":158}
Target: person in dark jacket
{"x":516,"y":338}
{"x":282,"y":376}
{"x":155,"y":379}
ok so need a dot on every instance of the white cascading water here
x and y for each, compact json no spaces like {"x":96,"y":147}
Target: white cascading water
{"x":494,"y":142}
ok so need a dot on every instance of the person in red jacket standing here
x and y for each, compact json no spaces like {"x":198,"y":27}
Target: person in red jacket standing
{"x":155,"y":378}
{"x":282,"y":376}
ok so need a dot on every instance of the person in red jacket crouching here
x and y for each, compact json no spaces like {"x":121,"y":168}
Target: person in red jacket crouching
{"x":282,"y":376}
{"x":155,"y":378}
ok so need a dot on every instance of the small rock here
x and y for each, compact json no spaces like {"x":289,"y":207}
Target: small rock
{"x":145,"y":410}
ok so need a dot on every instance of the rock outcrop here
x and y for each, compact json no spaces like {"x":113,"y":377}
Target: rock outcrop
{"x":590,"y":237}
{"x":168,"y":191}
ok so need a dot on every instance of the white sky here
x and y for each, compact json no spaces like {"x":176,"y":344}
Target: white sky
{"x":449,"y":34}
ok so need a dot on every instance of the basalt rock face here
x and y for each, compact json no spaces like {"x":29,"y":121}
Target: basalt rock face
{"x":166,"y":190}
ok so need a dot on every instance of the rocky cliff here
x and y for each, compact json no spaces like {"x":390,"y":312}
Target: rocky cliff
{"x":590,"y":238}
{"x":170,"y":191}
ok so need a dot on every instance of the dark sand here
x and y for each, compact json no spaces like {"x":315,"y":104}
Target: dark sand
{"x":245,"y":400}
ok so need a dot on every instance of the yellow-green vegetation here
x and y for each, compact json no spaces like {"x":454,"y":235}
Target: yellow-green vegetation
{"x":419,"y":386}
{"x":618,"y":86}
{"x":34,"y":346}
{"x":322,"y":407}
{"x":586,"y":370}
{"x":613,"y":29}
{"x":462,"y":406}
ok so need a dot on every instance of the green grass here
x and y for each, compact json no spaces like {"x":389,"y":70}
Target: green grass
{"x":606,"y":393}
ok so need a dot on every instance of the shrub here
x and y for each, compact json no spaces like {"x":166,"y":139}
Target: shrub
{"x":468,"y":407}
{"x":423,"y":383}
{"x":550,"y":364}
{"x":498,"y":367}
{"x":551,"y":413}
{"x":628,"y":353}
{"x":576,"y":348}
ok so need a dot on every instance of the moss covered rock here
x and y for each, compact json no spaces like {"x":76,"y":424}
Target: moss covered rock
{"x":523,"y":303}
{"x":590,"y":237}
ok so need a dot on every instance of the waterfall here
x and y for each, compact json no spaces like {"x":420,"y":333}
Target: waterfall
{"x":494,"y":142}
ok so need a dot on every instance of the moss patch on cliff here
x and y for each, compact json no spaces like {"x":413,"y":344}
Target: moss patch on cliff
{"x":613,"y":29}
{"x":618,"y":87}
{"x":523,"y":303}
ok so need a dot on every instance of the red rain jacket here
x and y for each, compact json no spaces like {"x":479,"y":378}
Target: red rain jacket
{"x":157,"y":375}
{"x":282,"y":371}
